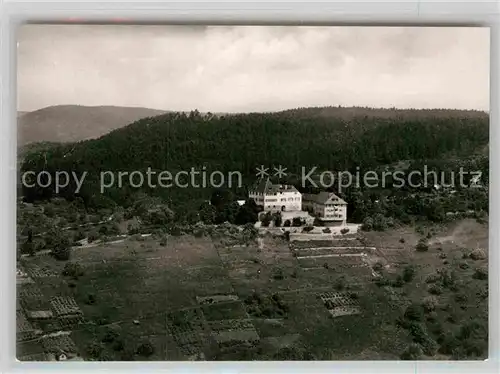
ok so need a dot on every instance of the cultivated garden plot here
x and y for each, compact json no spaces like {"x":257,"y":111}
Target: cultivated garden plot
{"x":224,"y":311}
{"x":24,"y":329}
{"x":58,"y":343}
{"x":64,"y":306}
{"x":233,"y":331}
{"x":189,"y":330}
{"x":340,"y":303}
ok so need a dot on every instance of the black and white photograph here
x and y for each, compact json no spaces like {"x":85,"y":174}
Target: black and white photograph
{"x":252,"y":193}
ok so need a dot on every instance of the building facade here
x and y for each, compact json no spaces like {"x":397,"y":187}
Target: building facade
{"x":327,"y":207}
{"x":276,"y":197}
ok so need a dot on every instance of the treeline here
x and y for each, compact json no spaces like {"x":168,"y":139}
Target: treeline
{"x":242,"y":142}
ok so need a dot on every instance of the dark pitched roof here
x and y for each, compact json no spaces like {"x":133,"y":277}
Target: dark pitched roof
{"x":265,"y":186}
{"x":324,"y":197}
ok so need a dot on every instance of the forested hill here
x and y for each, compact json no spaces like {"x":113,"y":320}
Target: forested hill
{"x":241,"y":142}
{"x":348,"y":113}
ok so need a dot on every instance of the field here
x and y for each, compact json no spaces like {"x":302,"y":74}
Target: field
{"x":200,"y":298}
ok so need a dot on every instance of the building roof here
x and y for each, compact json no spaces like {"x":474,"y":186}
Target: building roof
{"x":264,"y":186}
{"x":324,"y":197}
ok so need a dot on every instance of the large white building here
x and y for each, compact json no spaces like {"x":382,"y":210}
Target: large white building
{"x":327,"y":207}
{"x":276,"y":197}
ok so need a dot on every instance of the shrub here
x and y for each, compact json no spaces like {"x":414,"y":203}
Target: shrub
{"x":73,"y":269}
{"x":344,"y":231}
{"x":287,"y":223}
{"x":402,"y":240}
{"x":478,"y":254}
{"x":398,"y":282}
{"x":429,"y":346}
{"x":429,"y":303}
{"x":463,"y":265}
{"x":327,"y":230}
{"x":414,"y":312}
{"x":94,"y":349}
{"x":91,"y":299}
{"x":93,"y":236}
{"x":422,"y":246}
{"x":378,"y":266}
{"x":412,"y":352}
{"x":145,"y":349}
{"x":367,"y":224}
{"x":481,"y":273}
{"x":461,"y":298}
{"x":435,"y":289}
{"x":409,"y":273}
{"x":111,"y":333}
{"x":308,"y":229}
{"x":340,"y":283}
{"x":433,"y":278}
{"x":296,"y":222}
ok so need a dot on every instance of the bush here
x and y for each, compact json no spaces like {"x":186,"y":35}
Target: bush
{"x":91,"y":299}
{"x":402,"y":240}
{"x":435,"y":289}
{"x":340,"y":283}
{"x":145,"y":349}
{"x":433,"y":278}
{"x":327,"y":230}
{"x":481,"y":273}
{"x":296,"y":222}
{"x":430,"y":303}
{"x":266,"y":220}
{"x":478,"y":254}
{"x":367,"y":224}
{"x":73,"y":269}
{"x":93,"y":236}
{"x":409,"y":273}
{"x":412,"y":352}
{"x":308,"y":229}
{"x":463,"y":265}
{"x":378,"y":267}
{"x":429,"y":346}
{"x":414,"y":312}
{"x":422,"y":246}
{"x":461,"y":298}
{"x":111,"y":333}
{"x":344,"y":231}
{"x":287,"y":223}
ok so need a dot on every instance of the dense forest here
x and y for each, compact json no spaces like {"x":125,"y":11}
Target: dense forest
{"x":327,"y":138}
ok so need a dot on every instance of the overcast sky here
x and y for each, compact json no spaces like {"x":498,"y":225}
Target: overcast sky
{"x":235,"y":69}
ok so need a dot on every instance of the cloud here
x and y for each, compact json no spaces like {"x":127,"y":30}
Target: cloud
{"x":252,"y":68}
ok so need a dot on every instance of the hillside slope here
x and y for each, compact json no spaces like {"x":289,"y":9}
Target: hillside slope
{"x":69,"y":123}
{"x":178,"y":142}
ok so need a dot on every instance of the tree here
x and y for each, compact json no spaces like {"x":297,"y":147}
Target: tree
{"x":409,"y":273}
{"x":287,"y":223}
{"x":207,"y":213}
{"x":277,"y":220}
{"x":296,"y":222}
{"x":248,"y":213}
{"x":61,"y":249}
{"x":422,"y":245}
{"x":414,"y":312}
{"x":266,"y":220}
{"x":73,"y":269}
{"x":145,"y":349}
